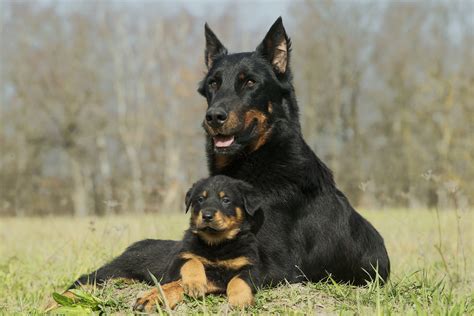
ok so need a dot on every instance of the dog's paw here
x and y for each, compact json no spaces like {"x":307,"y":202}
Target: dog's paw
{"x":239,"y":293}
{"x":241,"y":300}
{"x":195,"y":287}
{"x":147,"y":301}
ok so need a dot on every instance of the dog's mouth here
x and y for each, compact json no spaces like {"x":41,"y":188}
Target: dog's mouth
{"x":215,"y":235}
{"x":222,"y":141}
{"x":210,"y":230}
{"x":216,"y":226}
{"x":230,"y":143}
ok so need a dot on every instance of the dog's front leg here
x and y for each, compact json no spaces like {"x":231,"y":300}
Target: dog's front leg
{"x":193,"y":277}
{"x":239,"y":292}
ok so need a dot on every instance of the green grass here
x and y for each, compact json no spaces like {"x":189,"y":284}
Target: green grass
{"x":432,"y":267}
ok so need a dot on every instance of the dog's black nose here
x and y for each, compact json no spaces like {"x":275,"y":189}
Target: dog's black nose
{"x":207,"y":216}
{"x":216,"y":117}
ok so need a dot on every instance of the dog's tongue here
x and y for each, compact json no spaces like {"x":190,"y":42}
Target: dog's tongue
{"x":223,"y":141}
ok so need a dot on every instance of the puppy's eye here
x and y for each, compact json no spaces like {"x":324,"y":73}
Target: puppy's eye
{"x":225,"y":200}
{"x":250,"y":83}
{"x":200,"y":199}
{"x":213,"y":84}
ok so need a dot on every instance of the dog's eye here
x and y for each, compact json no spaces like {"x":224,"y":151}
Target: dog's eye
{"x":250,"y":83}
{"x":213,"y":84}
{"x":200,"y":199}
{"x":225,"y":200}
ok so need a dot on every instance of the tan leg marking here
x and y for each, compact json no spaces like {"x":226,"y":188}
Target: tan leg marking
{"x":193,"y":278}
{"x":239,"y":293}
{"x":172,"y":291}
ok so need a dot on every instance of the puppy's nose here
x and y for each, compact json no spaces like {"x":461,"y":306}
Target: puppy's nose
{"x":207,"y":216}
{"x":216,"y":117}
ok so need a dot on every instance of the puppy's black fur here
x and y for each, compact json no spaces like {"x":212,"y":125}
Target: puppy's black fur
{"x":219,"y":248}
{"x":253,"y":133}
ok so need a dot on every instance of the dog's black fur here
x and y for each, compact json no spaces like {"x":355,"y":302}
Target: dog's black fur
{"x":310,"y":230}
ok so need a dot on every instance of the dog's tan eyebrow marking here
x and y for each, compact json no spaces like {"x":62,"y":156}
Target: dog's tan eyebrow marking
{"x":221,"y":194}
{"x":204,"y":193}
{"x":241,"y":76}
{"x":270,"y":107}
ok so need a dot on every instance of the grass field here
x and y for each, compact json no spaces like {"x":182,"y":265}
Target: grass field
{"x":432,"y":266}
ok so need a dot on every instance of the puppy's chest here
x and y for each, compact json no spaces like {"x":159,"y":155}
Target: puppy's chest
{"x":221,"y":269}
{"x":219,"y":277}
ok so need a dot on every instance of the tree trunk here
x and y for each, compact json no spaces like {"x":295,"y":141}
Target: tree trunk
{"x":79,"y":194}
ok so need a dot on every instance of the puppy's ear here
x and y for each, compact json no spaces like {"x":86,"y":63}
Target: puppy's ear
{"x":252,"y":206}
{"x":251,"y":203}
{"x":257,"y":220}
{"x":188,"y":199}
{"x":191,"y":194}
{"x":250,"y":197}
{"x":276,"y":47}
{"x":214,"y":47}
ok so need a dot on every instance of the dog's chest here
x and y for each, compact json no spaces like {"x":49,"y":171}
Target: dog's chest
{"x":219,"y":277}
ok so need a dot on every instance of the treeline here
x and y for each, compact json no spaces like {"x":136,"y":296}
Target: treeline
{"x":99,"y":113}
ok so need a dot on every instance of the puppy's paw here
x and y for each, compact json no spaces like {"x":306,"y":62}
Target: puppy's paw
{"x":195,"y":287}
{"x":147,"y":301}
{"x":241,"y":300}
{"x":239,"y":293}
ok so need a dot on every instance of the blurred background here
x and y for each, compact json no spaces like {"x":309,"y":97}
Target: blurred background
{"x":99,"y":112}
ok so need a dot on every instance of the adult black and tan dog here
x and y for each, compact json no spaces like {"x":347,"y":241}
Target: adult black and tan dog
{"x":310,"y":230}
{"x":219,"y":249}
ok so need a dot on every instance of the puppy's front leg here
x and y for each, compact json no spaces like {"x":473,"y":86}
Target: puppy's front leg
{"x":193,"y":277}
{"x":239,"y":292}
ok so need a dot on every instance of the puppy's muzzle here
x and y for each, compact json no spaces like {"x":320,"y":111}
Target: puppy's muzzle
{"x":208,"y":215}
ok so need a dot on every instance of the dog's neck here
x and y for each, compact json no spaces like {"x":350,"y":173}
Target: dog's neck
{"x":242,"y":242}
{"x":280,"y":167}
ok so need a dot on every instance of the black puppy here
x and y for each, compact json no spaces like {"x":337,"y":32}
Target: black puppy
{"x":219,"y":248}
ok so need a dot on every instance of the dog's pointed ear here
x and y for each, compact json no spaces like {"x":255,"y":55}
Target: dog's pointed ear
{"x":191,"y":194}
{"x":214,"y":47}
{"x":276,"y":47}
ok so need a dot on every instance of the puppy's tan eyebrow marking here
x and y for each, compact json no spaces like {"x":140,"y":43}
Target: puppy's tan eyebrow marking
{"x":221,"y":194}
{"x":241,"y":76}
{"x":204,"y":193}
